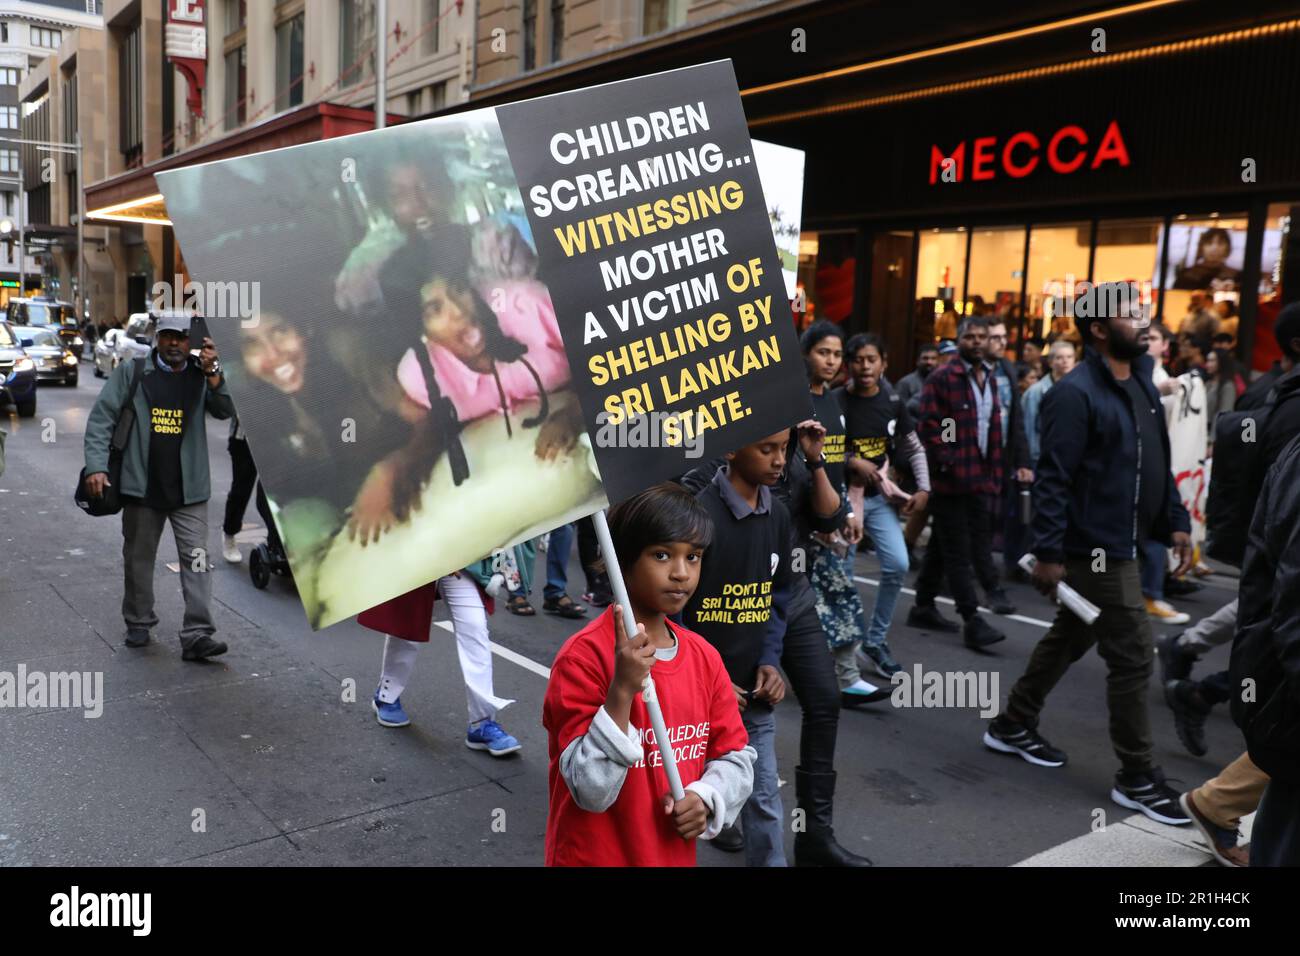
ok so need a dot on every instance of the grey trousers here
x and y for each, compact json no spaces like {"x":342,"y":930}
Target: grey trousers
{"x":1211,"y":631}
{"x":141,"y":528}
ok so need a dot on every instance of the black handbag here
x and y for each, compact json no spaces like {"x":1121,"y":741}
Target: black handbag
{"x":110,"y":502}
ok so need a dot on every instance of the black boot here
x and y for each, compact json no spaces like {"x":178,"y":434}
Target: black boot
{"x":816,"y":846}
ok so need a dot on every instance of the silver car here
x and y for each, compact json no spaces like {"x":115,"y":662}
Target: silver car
{"x":55,"y":362}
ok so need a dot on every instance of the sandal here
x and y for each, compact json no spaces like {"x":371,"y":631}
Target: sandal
{"x":563,"y":606}
{"x":518,"y":604}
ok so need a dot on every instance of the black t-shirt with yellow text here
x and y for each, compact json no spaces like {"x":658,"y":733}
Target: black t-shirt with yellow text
{"x":165,"y":395}
{"x":874,"y":425}
{"x":827,"y":410}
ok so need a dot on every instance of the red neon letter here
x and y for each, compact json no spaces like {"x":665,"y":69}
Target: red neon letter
{"x":1009,"y":165}
{"x":1053,"y":157}
{"x":982,"y":158}
{"x":937,"y":160}
{"x":1112,"y":146}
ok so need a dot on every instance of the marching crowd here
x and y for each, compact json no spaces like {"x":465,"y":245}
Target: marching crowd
{"x":740,"y":576}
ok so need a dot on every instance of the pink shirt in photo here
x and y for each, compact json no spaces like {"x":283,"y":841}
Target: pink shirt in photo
{"x":526,"y":314}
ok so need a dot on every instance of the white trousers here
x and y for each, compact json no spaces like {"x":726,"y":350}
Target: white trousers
{"x":469,"y":623}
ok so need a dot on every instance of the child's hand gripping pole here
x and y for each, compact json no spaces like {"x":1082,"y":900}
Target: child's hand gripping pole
{"x":648,"y":688}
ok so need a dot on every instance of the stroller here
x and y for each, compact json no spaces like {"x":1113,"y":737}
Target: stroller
{"x":270,"y":557}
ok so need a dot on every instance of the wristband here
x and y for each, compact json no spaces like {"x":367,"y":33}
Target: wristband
{"x":815,"y":465}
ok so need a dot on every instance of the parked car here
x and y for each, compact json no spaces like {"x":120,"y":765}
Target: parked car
{"x":105,"y":359}
{"x":43,"y":310}
{"x":17,"y":374}
{"x":55,"y":361}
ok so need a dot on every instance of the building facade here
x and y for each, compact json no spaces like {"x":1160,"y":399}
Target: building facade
{"x":30,"y":33}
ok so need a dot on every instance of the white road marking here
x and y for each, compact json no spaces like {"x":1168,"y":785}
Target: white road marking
{"x":505,"y":652}
{"x":946,"y":600}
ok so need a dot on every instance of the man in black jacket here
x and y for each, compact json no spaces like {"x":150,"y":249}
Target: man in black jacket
{"x":1265,"y":662}
{"x":1103,"y":432}
{"x":814,"y":505}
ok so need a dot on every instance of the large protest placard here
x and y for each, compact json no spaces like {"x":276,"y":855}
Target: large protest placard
{"x":648,"y":215}
{"x":406,"y":372}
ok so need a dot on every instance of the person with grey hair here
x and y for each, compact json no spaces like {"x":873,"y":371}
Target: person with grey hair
{"x":164,"y":476}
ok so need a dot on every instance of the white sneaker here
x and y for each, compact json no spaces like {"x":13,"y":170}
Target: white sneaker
{"x":230,"y":550}
{"x":1165,"y":613}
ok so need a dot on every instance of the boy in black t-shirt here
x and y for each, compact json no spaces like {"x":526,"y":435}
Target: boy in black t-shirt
{"x":739,"y":607}
{"x":878,"y":427}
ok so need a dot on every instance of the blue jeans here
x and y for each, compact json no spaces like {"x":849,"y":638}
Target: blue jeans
{"x":1154,"y":563}
{"x":881,"y":522}
{"x":762,"y":818}
{"x":557,"y":562}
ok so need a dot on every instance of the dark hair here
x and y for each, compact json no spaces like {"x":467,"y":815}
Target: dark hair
{"x":821,"y":329}
{"x":662,"y":514}
{"x":1214,"y":232}
{"x":861,"y":341}
{"x":976,"y":321}
{"x":927,"y":347}
{"x":1227,"y":364}
{"x":1035,"y":341}
{"x":1158,"y":329}
{"x":1027,"y":371}
{"x":1286,"y":328}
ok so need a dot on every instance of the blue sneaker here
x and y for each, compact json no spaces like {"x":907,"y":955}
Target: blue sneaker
{"x":389,"y":715}
{"x":488,"y":735}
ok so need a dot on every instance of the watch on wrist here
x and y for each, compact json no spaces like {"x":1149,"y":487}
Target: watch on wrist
{"x":816,"y":464}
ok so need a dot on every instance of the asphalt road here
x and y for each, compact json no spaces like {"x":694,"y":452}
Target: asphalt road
{"x":258,"y":758}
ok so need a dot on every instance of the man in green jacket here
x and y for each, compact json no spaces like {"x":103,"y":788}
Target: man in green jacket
{"x":164,"y":476}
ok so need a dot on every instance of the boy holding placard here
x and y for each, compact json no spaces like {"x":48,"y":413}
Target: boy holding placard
{"x":609,"y":797}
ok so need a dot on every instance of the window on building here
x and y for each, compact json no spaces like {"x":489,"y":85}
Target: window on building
{"x":1127,"y":250}
{"x":71,"y":126}
{"x":940,"y":276}
{"x":1058,"y":258}
{"x":8,"y":77}
{"x":236,"y":87}
{"x":660,"y":15}
{"x":236,"y":15}
{"x":530,"y":34}
{"x":557,"y":30}
{"x":993,"y":276}
{"x":288,"y":63}
{"x":8,"y":117}
{"x":4,"y":32}
{"x":824,"y":279}
{"x":356,"y":41}
{"x":432,"y":24}
{"x":438,"y":97}
{"x":1279,"y":269}
{"x":1202,"y":278}
{"x":130,"y":123}
{"x":47,"y":39}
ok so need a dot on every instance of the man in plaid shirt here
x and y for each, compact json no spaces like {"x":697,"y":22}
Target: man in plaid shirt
{"x":961,"y":429}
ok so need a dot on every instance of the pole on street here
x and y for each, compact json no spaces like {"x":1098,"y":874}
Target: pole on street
{"x":381,"y":64}
{"x":22,"y":225}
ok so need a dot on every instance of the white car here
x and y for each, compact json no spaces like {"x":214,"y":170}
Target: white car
{"x":105,"y":353}
{"x":122,"y":345}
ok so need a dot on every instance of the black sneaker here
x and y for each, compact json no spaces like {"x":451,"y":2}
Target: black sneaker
{"x":203,"y":648}
{"x":730,"y":840}
{"x":929,"y":619}
{"x":1190,"y":710}
{"x":999,"y":603}
{"x":137,"y":636}
{"x":1175,"y":661}
{"x":1008,"y":737}
{"x":1148,"y":793}
{"x":978,"y":633}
